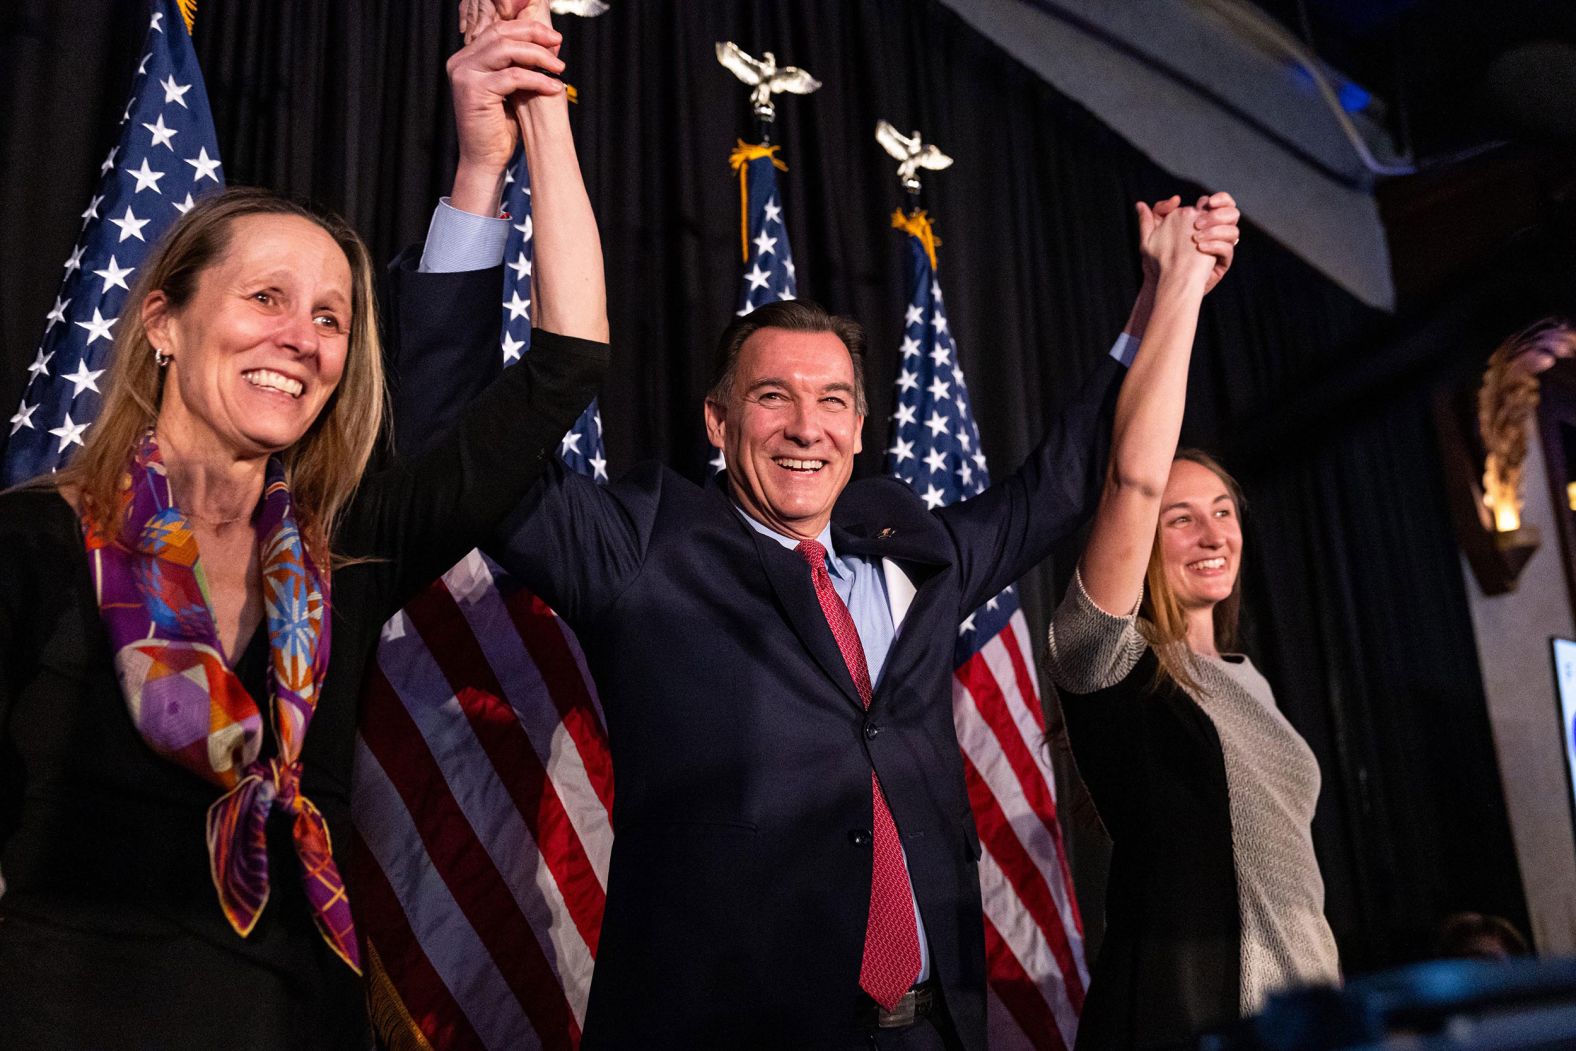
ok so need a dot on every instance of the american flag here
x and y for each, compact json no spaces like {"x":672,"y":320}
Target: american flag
{"x":166,"y":158}
{"x":768,"y":259}
{"x":1033,"y":932}
{"x":767,"y":274}
{"x":483,"y":789}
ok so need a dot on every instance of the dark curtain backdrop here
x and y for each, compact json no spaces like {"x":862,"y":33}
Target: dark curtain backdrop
{"x":1356,"y":607}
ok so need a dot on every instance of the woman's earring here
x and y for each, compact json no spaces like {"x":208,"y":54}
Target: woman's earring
{"x":160,"y":358}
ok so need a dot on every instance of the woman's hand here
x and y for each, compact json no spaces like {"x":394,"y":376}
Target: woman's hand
{"x":507,"y":59}
{"x":1167,"y":239}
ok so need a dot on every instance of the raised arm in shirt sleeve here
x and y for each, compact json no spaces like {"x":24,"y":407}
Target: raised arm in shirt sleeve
{"x":459,"y":241}
{"x":454,"y":494}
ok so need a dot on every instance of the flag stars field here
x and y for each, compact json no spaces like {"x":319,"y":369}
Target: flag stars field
{"x":166,"y":104}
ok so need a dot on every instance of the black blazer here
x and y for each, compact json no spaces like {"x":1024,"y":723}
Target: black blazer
{"x":1169,"y":966}
{"x":738,"y":886}
{"x":110,"y":916}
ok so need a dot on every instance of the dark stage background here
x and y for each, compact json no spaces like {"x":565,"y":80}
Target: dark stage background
{"x":1356,"y":607}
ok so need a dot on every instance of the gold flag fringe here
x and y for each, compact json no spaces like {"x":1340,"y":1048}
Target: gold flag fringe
{"x":188,"y":13}
{"x":390,"y":1018}
{"x":740,"y":159}
{"x":918,"y":224}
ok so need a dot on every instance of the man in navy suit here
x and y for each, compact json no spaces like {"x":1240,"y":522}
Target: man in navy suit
{"x":795,"y":862}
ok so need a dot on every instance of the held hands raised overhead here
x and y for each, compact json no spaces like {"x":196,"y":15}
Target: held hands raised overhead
{"x":506,"y":63}
{"x":1172,"y":237}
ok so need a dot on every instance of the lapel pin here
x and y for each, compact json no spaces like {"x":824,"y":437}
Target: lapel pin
{"x":886,"y":534}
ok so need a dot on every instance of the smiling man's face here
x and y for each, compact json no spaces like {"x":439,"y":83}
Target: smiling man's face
{"x":790,"y":428}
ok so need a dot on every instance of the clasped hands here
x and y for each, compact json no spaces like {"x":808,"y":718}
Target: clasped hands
{"x":510,"y":58}
{"x":1188,"y":240}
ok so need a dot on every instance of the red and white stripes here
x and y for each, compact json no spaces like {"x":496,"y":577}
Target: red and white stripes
{"x":483,"y":793}
{"x":1033,"y":932}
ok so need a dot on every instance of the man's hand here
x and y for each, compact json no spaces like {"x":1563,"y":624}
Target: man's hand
{"x":508,"y":58}
{"x":1215,"y":232}
{"x":1148,"y":217}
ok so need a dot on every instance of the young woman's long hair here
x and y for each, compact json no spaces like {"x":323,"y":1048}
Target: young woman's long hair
{"x":1161,"y":616}
{"x":325,"y":465}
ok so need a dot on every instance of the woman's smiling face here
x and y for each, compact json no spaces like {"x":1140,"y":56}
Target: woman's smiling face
{"x":260,"y":347}
{"x":1200,"y":535}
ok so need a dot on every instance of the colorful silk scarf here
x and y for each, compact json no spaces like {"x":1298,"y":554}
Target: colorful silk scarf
{"x":190,"y":707}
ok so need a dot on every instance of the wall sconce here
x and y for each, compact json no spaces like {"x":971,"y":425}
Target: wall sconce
{"x":1488,"y":505}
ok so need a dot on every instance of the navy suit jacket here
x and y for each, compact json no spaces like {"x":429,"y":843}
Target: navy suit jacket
{"x":739,"y":883}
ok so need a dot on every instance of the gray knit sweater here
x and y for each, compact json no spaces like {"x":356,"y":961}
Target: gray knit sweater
{"x":1272,"y":782}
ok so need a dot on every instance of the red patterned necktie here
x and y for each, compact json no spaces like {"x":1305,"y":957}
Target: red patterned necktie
{"x":891,"y":959}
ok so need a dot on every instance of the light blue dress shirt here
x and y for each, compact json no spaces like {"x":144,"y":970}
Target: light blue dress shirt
{"x":861,"y":584}
{"x":459,"y":241}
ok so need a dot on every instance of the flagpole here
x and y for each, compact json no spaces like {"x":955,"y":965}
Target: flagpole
{"x":1033,"y":931}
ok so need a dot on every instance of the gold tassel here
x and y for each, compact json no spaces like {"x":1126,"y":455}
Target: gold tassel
{"x":918,"y":224}
{"x":188,"y":13}
{"x":390,"y":1018}
{"x":740,"y":159}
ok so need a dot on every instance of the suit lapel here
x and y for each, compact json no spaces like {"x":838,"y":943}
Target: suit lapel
{"x":790,"y":578}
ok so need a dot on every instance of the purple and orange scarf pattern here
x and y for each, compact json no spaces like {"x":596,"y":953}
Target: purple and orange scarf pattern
{"x":190,"y":707}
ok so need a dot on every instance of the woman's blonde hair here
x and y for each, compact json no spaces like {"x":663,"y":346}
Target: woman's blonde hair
{"x":325,"y":465}
{"x":1162,"y":619}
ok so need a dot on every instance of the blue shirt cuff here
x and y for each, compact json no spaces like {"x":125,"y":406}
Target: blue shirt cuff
{"x":458,"y":241}
{"x":1123,"y":350}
